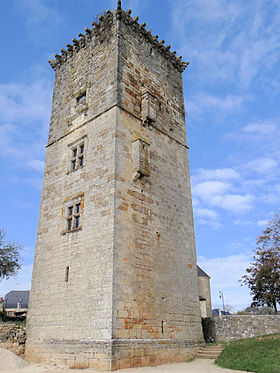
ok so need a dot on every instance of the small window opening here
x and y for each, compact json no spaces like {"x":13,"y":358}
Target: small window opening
{"x":67,"y":274}
{"x":69,"y":224}
{"x":77,"y":160}
{"x":76,"y":222}
{"x":81,"y":98}
{"x":73,"y":217}
{"x":162,"y":331}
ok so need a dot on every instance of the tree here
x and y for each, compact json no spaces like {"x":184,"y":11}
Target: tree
{"x":263,"y":276}
{"x":10,"y":259}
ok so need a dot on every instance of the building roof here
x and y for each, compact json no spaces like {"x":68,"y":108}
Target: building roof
{"x":201,"y":273}
{"x":16,"y":296}
{"x":215,"y":312}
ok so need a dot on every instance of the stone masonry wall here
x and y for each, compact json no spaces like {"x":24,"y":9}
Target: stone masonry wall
{"x":121,"y":290}
{"x":155,"y":254}
{"x":12,"y":337}
{"x":228,"y":328}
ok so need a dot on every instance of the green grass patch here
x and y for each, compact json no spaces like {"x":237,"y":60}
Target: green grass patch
{"x":190,"y":360}
{"x":259,"y":355}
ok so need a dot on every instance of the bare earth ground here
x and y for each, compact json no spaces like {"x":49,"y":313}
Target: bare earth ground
{"x":11,"y":363}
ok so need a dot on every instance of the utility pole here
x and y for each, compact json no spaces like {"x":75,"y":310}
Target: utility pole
{"x":221,"y":295}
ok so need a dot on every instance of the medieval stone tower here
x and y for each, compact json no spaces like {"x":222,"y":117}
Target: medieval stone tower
{"x":115,"y":280}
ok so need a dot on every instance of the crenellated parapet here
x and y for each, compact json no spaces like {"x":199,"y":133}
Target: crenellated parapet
{"x":101,"y":27}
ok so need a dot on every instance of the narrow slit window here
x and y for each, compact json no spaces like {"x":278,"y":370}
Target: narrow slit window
{"x":67,"y":274}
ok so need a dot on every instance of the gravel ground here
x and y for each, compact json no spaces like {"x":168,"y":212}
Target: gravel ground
{"x":9,"y":362}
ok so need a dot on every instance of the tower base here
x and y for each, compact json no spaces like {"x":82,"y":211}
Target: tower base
{"x":112,"y":354}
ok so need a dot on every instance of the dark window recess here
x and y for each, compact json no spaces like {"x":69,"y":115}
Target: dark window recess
{"x":81,"y":98}
{"x":66,"y":274}
{"x":76,"y":222}
{"x":69,"y":224}
{"x":162,"y":331}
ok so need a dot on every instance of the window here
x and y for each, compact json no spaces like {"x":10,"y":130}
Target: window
{"x":67,"y":274}
{"x":77,"y":160}
{"x":73,"y":216}
{"x":82,"y":98}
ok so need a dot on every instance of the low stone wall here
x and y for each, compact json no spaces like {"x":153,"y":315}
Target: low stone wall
{"x":12,"y":337}
{"x":228,"y":328}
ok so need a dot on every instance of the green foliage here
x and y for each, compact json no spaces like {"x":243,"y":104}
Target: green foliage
{"x":241,"y":313}
{"x":263,"y":276}
{"x":10,"y":259}
{"x":259,"y":355}
{"x":3,"y":317}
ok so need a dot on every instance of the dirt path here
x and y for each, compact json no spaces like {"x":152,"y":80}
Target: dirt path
{"x":10,"y":363}
{"x":196,"y":366}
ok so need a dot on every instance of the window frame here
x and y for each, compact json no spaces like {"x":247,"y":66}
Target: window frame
{"x":72,"y":212}
{"x":73,"y":217}
{"x":77,"y":155}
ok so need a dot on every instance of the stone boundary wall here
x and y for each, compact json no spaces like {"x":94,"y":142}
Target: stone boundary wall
{"x":228,"y":328}
{"x":12,"y":337}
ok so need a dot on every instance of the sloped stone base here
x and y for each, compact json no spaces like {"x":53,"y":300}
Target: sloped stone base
{"x":112,"y":354}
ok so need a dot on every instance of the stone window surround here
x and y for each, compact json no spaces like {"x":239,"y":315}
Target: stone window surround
{"x":72,"y":214}
{"x":77,"y":154}
{"x":80,"y":100}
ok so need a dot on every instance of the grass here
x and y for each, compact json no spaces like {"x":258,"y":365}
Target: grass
{"x":259,"y":355}
{"x":190,"y":360}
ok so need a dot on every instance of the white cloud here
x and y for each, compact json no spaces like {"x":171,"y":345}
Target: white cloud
{"x":25,"y":110}
{"x":266,"y":128}
{"x":206,"y":216}
{"x":219,"y":174}
{"x":262,"y":165}
{"x":37,"y":165}
{"x":229,"y":41}
{"x":25,"y":103}
{"x":206,"y":213}
{"x":225,"y":273}
{"x":37,"y":12}
{"x":233,"y":202}
{"x":208,"y":189}
{"x":204,"y":103}
{"x":262,"y":223}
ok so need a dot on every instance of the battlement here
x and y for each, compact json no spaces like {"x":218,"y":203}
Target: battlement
{"x":100,"y":28}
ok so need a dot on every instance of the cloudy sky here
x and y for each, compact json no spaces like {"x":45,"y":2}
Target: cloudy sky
{"x":232,"y":97}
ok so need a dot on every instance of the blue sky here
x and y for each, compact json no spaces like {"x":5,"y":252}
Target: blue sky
{"x":232,"y":96}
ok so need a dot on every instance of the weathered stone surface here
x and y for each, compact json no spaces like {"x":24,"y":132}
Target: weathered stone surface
{"x":227,"y":328}
{"x":121,"y":290}
{"x":12,"y":337}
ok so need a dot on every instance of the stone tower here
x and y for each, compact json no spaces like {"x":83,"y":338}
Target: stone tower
{"x":115,"y":281}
